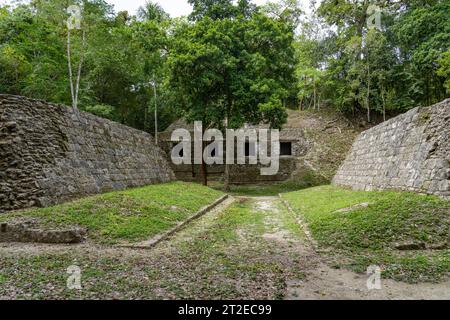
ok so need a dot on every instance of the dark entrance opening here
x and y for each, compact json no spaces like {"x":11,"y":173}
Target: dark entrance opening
{"x":285,"y":148}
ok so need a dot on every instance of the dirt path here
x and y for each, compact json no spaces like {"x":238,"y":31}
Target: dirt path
{"x":325,"y":283}
{"x":251,"y":248}
{"x":322,"y":282}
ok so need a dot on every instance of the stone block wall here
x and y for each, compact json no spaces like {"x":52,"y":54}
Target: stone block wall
{"x":50,"y":154}
{"x":240,"y":174}
{"x":410,"y":152}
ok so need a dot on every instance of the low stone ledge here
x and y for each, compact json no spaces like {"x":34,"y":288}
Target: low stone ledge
{"x":353,"y":208}
{"x":302,"y":223}
{"x":27,"y":232}
{"x":410,"y":246}
{"x":420,"y":246}
{"x":159,"y":238}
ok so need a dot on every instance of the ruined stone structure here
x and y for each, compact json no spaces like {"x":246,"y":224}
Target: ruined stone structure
{"x":293,"y":145}
{"x":410,"y":152}
{"x":50,"y":154}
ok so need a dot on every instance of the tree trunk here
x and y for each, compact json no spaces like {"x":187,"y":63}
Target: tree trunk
{"x":311,"y":103}
{"x":74,"y":89}
{"x":204,"y":169}
{"x":80,"y":66}
{"x":368,"y":94}
{"x":69,"y":62}
{"x":156,"y":110}
{"x":315,"y":93}
{"x":226,"y":182}
{"x":301,"y":104}
{"x":204,"y":172}
{"x":145,"y":118}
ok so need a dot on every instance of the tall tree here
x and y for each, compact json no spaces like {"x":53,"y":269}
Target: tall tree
{"x":74,"y":23}
{"x":444,"y":69}
{"x":220,"y":9}
{"x":234,"y":70}
{"x":152,"y":12}
{"x":422,"y":35}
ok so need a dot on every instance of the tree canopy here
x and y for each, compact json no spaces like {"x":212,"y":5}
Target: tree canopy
{"x":231,"y":59}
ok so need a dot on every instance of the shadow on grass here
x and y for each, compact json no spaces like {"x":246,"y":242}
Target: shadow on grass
{"x":263,"y":190}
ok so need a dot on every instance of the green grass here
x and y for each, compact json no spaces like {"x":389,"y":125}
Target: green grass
{"x":263,"y":190}
{"x":239,"y":216}
{"x":130,"y":215}
{"x":234,"y":246}
{"x":45,"y":277}
{"x":367,"y":235}
{"x":221,"y":256}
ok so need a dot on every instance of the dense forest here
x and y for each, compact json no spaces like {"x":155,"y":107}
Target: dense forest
{"x":229,"y":59}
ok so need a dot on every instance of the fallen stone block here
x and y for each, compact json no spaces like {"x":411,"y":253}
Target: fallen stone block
{"x":410,"y":245}
{"x":439,"y":246}
{"x":353,"y":208}
{"x":27,"y":232}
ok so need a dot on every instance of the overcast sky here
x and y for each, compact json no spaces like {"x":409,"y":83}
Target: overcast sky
{"x":175,"y":8}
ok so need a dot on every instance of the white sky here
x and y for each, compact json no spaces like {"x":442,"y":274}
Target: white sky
{"x":175,"y":8}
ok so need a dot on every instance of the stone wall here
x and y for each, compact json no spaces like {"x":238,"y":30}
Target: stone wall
{"x":240,"y":174}
{"x":50,"y":154}
{"x":410,"y":152}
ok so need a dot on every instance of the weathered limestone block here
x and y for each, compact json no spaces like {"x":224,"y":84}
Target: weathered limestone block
{"x":27,"y":232}
{"x":410,"y":152}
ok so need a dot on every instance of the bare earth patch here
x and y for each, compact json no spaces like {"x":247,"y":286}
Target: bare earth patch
{"x":326,"y":283}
